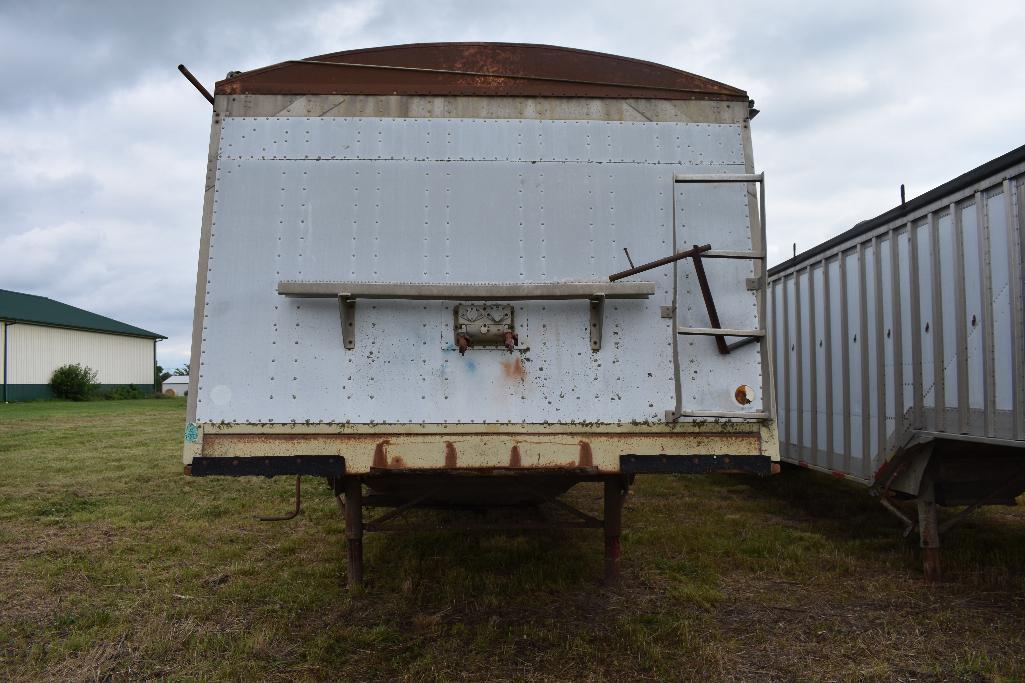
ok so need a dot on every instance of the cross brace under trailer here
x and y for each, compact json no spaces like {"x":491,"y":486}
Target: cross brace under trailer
{"x":351,"y":499}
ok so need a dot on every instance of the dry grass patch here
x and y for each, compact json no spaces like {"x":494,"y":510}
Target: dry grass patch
{"x":114,"y":565}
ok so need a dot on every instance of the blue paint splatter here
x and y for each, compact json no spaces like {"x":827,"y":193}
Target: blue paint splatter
{"x":471,"y":365}
{"x":191,"y":433}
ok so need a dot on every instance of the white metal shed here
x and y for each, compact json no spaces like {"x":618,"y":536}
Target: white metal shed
{"x":39,"y":335}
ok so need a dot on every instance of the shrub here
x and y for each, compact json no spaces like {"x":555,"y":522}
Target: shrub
{"x":74,"y":381}
{"x":124,"y":392}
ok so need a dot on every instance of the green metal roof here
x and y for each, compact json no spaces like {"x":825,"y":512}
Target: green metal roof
{"x":28,"y":308}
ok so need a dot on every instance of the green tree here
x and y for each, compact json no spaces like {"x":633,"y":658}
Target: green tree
{"x":183,"y":371}
{"x":159,"y":375}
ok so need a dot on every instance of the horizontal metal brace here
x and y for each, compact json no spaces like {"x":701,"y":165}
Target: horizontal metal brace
{"x":347,"y":292}
{"x":972,"y":438}
{"x":671,"y":415}
{"x":689,"y":253}
{"x":727,"y":253}
{"x":467,"y":291}
{"x":717,"y":332}
{"x":480,"y":526}
{"x":694,"y":464}
{"x":267,"y":466}
{"x":719,"y":178}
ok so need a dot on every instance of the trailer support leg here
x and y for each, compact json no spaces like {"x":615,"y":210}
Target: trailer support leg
{"x":354,"y":528}
{"x":929,"y":528}
{"x":613,"y":523}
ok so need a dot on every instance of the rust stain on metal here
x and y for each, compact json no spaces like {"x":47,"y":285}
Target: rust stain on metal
{"x":478,"y":69}
{"x":586,"y":458}
{"x":743,"y":394}
{"x":450,"y":454}
{"x":514,"y":457}
{"x":513,"y":369}
{"x":381,"y":454}
{"x":397,"y":463}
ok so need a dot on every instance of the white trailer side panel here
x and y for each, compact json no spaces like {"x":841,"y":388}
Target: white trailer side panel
{"x":456,"y":200}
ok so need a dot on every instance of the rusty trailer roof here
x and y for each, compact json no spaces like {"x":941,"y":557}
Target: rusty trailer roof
{"x":477,"y":69}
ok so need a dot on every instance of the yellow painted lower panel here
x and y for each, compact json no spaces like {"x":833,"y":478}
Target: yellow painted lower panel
{"x":420,"y":447}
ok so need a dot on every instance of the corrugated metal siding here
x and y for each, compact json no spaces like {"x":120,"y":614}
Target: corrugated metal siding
{"x":915,"y":325}
{"x":35,"y":351}
{"x":3,"y":342}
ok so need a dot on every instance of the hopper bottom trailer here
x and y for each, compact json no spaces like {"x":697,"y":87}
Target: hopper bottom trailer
{"x":404,"y":282}
{"x":899,"y":352}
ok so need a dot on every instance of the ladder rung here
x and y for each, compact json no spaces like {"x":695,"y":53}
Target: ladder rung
{"x":720,"y":332}
{"x":722,"y":413}
{"x":719,"y":178}
{"x":726,"y":253}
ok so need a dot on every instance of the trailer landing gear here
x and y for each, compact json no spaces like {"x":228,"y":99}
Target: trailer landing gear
{"x":354,"y":529}
{"x":349,"y":492}
{"x":613,"y":524}
{"x":929,"y":529}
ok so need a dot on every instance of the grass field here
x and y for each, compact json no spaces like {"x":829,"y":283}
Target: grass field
{"x":113,"y":565}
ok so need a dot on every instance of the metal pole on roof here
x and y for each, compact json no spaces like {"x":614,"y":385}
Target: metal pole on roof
{"x":195,"y":81}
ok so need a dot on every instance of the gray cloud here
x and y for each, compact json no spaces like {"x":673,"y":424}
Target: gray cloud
{"x":104,"y":144}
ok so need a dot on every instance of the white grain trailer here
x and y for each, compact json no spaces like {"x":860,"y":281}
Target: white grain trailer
{"x":898,"y":348}
{"x":410,"y":280}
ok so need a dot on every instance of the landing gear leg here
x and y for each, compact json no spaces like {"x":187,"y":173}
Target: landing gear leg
{"x":929,"y":528}
{"x":614,"y":494}
{"x":354,"y":529}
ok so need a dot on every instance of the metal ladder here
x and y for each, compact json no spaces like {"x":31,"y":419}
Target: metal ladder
{"x":755,"y":283}
{"x":716,"y":329}
{"x":697,"y":254}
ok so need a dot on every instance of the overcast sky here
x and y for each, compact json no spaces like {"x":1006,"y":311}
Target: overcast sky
{"x":103,"y":143}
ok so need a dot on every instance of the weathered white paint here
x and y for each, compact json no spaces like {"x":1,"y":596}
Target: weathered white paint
{"x":315,"y":162}
{"x":35,"y":351}
{"x":436,"y":200}
{"x":288,"y":109}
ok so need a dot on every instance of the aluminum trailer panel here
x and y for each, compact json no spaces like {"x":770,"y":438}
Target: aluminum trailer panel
{"x":390,"y":203}
{"x":900,"y":344}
